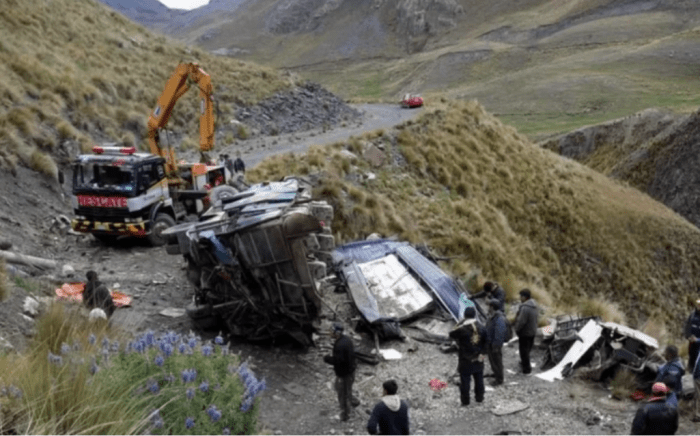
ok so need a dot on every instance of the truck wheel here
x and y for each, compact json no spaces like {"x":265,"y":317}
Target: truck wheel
{"x":162,"y":222}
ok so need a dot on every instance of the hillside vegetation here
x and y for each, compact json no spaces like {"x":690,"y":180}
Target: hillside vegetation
{"x":477,"y":190}
{"x":544,"y":66}
{"x":77,"y":72}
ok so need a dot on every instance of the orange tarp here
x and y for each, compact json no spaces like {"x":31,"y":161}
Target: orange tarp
{"x":74,"y":292}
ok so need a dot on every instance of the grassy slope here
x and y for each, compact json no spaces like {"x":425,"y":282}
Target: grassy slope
{"x":471,"y":186}
{"x":76,"y":72}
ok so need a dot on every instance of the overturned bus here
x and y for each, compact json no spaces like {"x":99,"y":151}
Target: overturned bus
{"x":254,"y":259}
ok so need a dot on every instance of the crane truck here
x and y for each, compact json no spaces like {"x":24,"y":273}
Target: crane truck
{"x":118,"y":191}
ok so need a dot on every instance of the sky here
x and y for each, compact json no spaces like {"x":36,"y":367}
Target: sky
{"x":184,"y":4}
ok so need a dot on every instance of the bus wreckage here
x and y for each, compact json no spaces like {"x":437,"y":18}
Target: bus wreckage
{"x":255,"y":258}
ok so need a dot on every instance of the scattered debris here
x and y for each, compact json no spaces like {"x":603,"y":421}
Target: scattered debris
{"x":30,"y":306}
{"x":172,"y":312}
{"x":508,"y":407}
{"x":390,"y":354}
{"x":597,"y":348}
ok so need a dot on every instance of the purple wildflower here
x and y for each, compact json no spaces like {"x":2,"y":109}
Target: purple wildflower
{"x":167,"y":349}
{"x":153,"y":387}
{"x":207,"y":350}
{"x":189,"y":393}
{"x":65,"y":348}
{"x":219,"y":340}
{"x":247,"y":404}
{"x":55,"y":359}
{"x":169,"y":378}
{"x":115,"y":346}
{"x":192,"y":342}
{"x":105,"y":342}
{"x":92,"y":339}
{"x":204,"y":386}
{"x":149,"y":338}
{"x":189,"y":422}
{"x":214,"y":413}
{"x":159,"y":360}
{"x":76,"y":346}
{"x":94,"y":368}
{"x":182,"y":348}
{"x":158,"y":423}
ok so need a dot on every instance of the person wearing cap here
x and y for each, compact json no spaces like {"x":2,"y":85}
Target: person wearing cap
{"x":391,"y":415}
{"x":526,"y":328}
{"x":343,"y":361}
{"x":692,"y":333}
{"x":496,"y":332}
{"x":671,"y":372}
{"x":470,"y":337}
{"x":493,"y":291}
{"x":655,"y":416}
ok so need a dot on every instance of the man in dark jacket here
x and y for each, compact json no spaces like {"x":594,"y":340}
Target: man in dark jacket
{"x":391,"y":414}
{"x":671,"y":372}
{"x":493,"y":291}
{"x":692,"y":333}
{"x":471,"y":337}
{"x":696,"y":396}
{"x":343,"y":361}
{"x":526,"y":328}
{"x":96,"y":295}
{"x":656,"y":417}
{"x":496,"y":332}
{"x":238,"y":165}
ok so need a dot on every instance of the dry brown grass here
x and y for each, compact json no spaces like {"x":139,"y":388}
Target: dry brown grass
{"x":521,"y":215}
{"x":4,"y":283}
{"x":97,"y":75}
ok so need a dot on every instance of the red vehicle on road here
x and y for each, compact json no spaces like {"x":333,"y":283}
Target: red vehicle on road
{"x":411,"y":101}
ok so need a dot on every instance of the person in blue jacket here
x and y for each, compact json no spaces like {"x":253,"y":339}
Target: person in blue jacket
{"x":672,"y":371}
{"x":391,"y":415}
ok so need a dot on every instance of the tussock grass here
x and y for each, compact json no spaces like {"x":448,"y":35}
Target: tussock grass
{"x":43,"y":163}
{"x":4,"y":281}
{"x":623,"y":384}
{"x":519,"y":214}
{"x":98,"y":78}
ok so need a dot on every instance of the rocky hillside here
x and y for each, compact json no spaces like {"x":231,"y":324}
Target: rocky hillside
{"x":545,"y":66}
{"x":68,"y":83}
{"x":656,"y":151}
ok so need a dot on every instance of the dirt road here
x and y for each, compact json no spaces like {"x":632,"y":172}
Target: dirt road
{"x":375,"y":116}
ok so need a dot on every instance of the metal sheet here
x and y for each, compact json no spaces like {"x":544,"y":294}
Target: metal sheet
{"x":590,"y":334}
{"x":632,"y":333}
{"x":261,"y":197}
{"x":365,"y":251}
{"x":396,"y":291}
{"x":441,"y":284}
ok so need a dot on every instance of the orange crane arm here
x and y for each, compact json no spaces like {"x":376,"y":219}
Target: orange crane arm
{"x":175,"y":87}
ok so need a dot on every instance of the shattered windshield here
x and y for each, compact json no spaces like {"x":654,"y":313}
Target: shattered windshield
{"x":106,"y":177}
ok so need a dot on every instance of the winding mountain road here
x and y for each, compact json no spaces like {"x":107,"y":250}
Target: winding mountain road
{"x":375,"y":116}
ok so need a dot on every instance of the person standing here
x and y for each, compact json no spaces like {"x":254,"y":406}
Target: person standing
{"x":471,"y":337}
{"x":692,"y":333}
{"x":391,"y":415}
{"x":493,"y":291}
{"x":496,"y":332}
{"x":526,"y":328}
{"x":696,"y":396}
{"x":343,"y":361}
{"x":238,"y":165}
{"x":671,"y":372}
{"x":656,"y":416}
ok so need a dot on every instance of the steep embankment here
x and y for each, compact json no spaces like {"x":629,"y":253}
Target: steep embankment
{"x":473,"y":188}
{"x":655,"y":151}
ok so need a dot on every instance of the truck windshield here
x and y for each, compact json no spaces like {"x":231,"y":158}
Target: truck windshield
{"x":104,"y":178}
